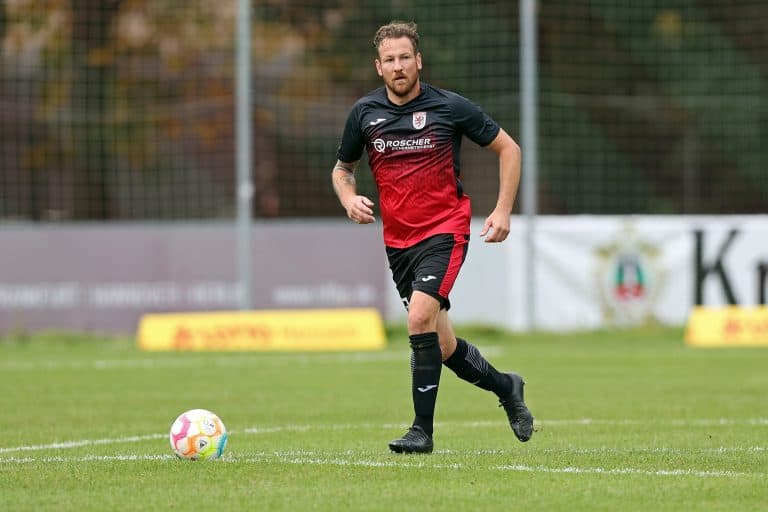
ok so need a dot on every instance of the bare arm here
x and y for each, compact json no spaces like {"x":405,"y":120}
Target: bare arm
{"x":358,"y":207}
{"x":496,"y":226}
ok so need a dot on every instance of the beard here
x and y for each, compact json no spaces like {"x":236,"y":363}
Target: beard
{"x":402,"y":88}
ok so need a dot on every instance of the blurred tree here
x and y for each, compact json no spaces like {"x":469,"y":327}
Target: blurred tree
{"x":2,"y":22}
{"x":93,"y":68}
{"x":125,"y":108}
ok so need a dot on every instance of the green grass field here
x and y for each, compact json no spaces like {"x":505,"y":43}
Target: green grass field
{"x":626,"y":420}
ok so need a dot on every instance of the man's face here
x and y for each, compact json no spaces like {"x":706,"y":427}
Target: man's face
{"x":399,"y":66}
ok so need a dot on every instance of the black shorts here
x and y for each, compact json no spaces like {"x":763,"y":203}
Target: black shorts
{"x":431,"y":266}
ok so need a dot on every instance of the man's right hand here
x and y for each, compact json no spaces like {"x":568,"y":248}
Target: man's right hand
{"x":360,"y":211}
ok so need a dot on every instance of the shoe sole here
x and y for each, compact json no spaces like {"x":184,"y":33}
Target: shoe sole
{"x":402,"y":449}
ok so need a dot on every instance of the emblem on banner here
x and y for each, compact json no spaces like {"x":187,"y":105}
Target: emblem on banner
{"x":629,"y":278}
{"x":419,"y":120}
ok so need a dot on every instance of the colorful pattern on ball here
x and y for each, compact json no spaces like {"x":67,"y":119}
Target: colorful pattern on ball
{"x":198,"y":434}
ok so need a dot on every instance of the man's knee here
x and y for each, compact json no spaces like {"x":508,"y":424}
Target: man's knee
{"x":422,"y":313}
{"x":419,"y":322}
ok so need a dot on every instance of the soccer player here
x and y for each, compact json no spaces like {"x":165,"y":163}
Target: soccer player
{"x":412,"y":132}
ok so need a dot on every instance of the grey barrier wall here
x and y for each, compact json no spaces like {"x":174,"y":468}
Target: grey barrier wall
{"x":102,"y":278}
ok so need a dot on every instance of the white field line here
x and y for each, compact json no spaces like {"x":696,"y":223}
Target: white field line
{"x":61,"y":445}
{"x":83,"y":458}
{"x":81,"y":443}
{"x":288,"y":458}
{"x":305,"y":458}
{"x":721,"y":422}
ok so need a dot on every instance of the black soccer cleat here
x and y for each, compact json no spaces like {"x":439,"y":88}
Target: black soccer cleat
{"x":520,"y":418}
{"x":414,"y":441}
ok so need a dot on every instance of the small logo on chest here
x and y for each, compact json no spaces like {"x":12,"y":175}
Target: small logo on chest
{"x":419,"y":120}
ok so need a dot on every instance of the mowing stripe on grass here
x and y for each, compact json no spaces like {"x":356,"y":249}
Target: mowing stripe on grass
{"x":419,"y":462}
{"x":198,"y":361}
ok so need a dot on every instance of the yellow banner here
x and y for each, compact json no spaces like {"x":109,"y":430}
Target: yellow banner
{"x":268,"y":330}
{"x":729,"y":326}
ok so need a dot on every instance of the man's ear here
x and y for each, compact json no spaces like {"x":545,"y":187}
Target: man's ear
{"x":418,"y":61}
{"x":377,"y":63}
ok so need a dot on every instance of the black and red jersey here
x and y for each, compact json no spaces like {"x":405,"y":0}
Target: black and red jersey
{"x":413,"y":151}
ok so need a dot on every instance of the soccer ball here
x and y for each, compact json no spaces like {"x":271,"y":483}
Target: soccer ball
{"x":198,"y":434}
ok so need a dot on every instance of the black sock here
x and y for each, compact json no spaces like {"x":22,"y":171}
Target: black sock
{"x":468,"y":364}
{"x":426,"y":364}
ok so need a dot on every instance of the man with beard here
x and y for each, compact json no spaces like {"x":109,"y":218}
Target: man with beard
{"x":412,"y":132}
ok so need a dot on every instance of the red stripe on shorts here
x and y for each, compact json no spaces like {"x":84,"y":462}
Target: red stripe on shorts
{"x":454,"y":265}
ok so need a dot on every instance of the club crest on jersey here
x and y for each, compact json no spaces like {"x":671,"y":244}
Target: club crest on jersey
{"x":419,"y":120}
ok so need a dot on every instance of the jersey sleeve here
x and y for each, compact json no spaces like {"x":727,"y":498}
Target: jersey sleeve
{"x":352,"y":142}
{"x":478,"y":126}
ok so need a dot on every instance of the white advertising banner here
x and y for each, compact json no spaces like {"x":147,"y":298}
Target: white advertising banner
{"x":600,"y":271}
